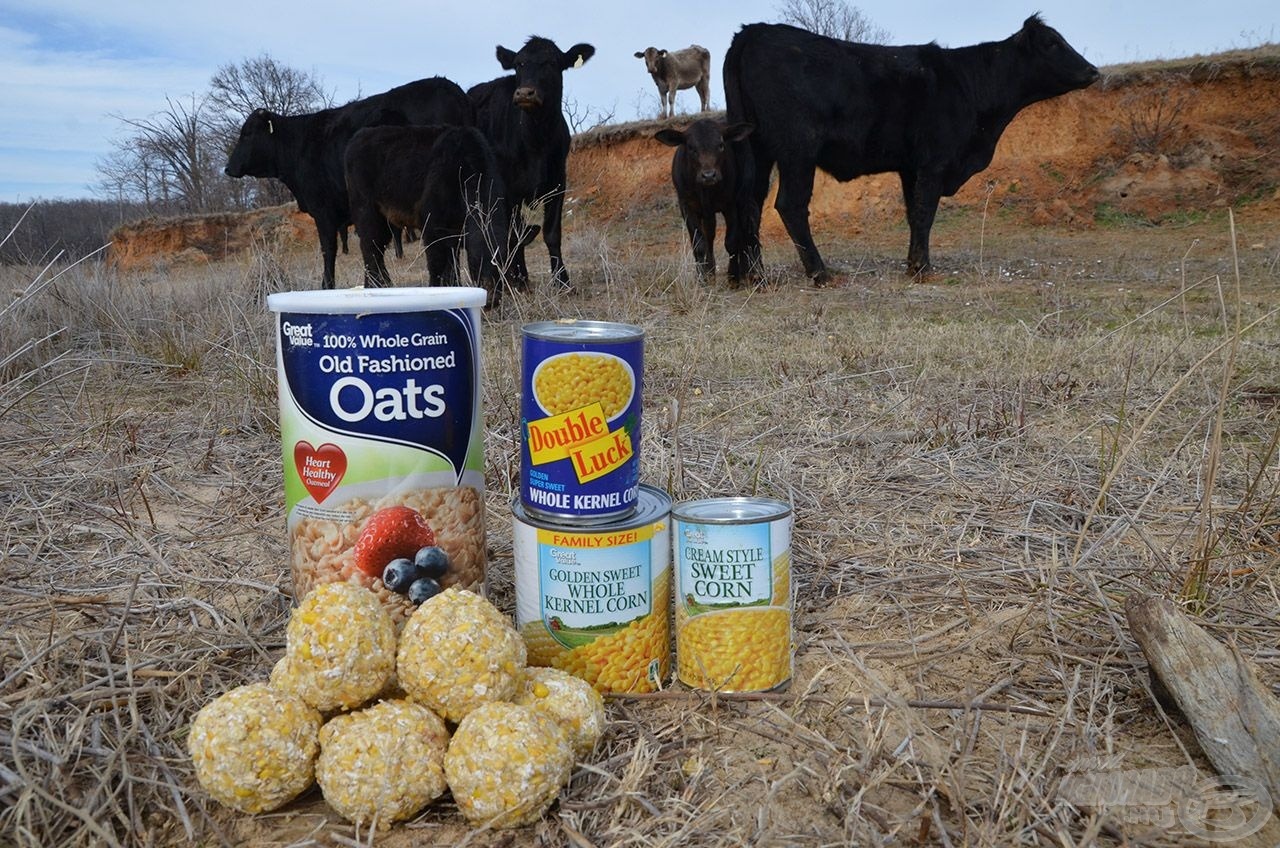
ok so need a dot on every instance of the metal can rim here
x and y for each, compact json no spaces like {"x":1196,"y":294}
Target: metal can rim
{"x":376,"y":300}
{"x":730,"y":510}
{"x":583,"y":330}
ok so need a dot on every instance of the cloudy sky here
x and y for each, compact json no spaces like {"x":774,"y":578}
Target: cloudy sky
{"x":71,"y":67}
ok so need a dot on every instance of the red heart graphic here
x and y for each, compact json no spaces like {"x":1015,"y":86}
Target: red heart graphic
{"x":321,"y":468}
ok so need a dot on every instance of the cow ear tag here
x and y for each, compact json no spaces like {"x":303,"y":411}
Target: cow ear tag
{"x":271,"y":127}
{"x":579,"y":62}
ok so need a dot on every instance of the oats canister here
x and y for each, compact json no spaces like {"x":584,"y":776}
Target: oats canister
{"x":734,"y":593}
{"x":595,"y":600}
{"x":382,"y":436}
{"x":580,"y":401}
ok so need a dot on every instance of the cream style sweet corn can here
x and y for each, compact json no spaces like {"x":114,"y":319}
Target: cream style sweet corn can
{"x":734,"y":593}
{"x":580,"y":390}
{"x":595,"y":601}
{"x":382,"y":434}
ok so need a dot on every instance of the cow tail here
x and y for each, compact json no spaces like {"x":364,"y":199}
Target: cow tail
{"x":738,"y":107}
{"x":735,"y":105}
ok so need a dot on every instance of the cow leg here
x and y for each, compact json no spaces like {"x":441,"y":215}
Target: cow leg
{"x":921,"y":195}
{"x":551,"y":235}
{"x":442,"y":257}
{"x":517,"y":272}
{"x":702,"y":237}
{"x":398,"y":240}
{"x":742,"y":243}
{"x":342,"y":233}
{"x":328,"y":235}
{"x":795,"y":189}
{"x":704,"y":93}
{"x":373,"y":250}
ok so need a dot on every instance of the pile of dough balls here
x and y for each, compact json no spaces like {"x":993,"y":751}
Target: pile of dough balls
{"x":385,"y":751}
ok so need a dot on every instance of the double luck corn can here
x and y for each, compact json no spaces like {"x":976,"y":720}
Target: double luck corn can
{"x":595,"y":601}
{"x":733,"y":593}
{"x":380,"y":416}
{"x":580,"y":391}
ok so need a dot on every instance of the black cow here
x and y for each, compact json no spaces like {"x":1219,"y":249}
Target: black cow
{"x":442,"y":180}
{"x":712,"y":171}
{"x":305,"y":151}
{"x":676,"y":70}
{"x":521,"y":116}
{"x":931,"y":114}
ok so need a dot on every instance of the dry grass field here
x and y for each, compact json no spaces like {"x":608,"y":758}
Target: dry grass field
{"x":984,"y":465}
{"x":1079,"y":406}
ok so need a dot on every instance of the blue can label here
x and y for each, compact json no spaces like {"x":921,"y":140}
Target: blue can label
{"x":580,"y":412}
{"x":398,"y":378}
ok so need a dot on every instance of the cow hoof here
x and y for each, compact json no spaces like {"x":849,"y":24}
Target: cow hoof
{"x":823,"y":278}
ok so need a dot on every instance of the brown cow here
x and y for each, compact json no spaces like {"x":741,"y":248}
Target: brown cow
{"x":676,"y":70}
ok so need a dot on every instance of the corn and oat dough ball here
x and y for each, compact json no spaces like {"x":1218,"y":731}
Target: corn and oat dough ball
{"x":573,"y":702}
{"x":254,"y":748}
{"x":506,"y":764}
{"x":382,"y":764}
{"x":340,"y":649}
{"x":458,"y":652}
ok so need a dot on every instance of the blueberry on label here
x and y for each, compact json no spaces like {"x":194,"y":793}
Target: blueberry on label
{"x":399,"y":575}
{"x":423,"y":588}
{"x":432,"y":561}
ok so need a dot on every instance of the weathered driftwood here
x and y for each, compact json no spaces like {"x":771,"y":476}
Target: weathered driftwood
{"x":1235,"y":717}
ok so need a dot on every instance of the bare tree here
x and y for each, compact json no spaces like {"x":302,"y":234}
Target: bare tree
{"x":582,"y":118}
{"x":259,"y":83}
{"x":263,"y":83}
{"x":832,"y":18}
{"x":171,"y":162}
{"x":167,"y":160}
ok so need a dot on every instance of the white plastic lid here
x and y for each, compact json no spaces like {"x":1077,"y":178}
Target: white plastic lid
{"x":391,"y":299}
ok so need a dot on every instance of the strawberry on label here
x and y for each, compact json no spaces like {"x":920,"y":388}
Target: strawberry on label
{"x":391,"y":533}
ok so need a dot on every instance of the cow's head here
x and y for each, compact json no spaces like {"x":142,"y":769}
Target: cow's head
{"x":651,"y":56}
{"x":255,"y":152}
{"x":1053,"y":66}
{"x":539,"y":66}
{"x":705,"y":147}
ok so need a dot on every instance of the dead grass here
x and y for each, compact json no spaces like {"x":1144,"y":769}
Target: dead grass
{"x":983,"y":466}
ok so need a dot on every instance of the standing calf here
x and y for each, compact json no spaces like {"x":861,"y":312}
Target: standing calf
{"x":712,"y":172}
{"x":931,"y":114}
{"x":441,"y":180}
{"x":677,"y":70}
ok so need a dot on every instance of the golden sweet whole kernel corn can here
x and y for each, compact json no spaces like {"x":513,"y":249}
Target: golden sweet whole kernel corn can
{"x":595,"y":600}
{"x":734,"y":595}
{"x":580,"y":387}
